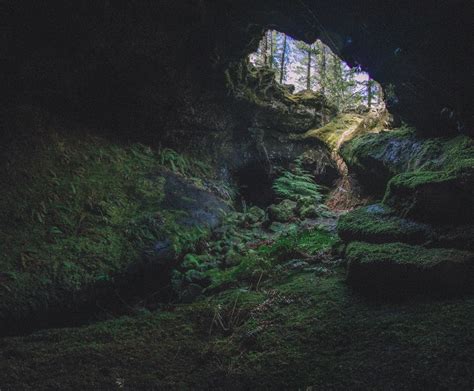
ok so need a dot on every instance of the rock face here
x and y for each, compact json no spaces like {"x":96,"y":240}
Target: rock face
{"x":428,"y":179}
{"x":140,"y":63}
{"x":400,"y":269}
{"x":429,"y":201}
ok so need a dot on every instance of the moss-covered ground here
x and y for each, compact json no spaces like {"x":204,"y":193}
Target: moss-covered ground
{"x":299,"y":331}
{"x":80,"y":209}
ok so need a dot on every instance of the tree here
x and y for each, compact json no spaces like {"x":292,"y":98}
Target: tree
{"x":322,"y":67}
{"x":265,"y":49}
{"x":308,"y":70}
{"x":272,"y":50}
{"x":282,"y":60}
{"x":303,"y":57}
{"x":370,"y":92}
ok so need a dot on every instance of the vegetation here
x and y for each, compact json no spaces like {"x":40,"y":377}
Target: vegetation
{"x":79,"y":210}
{"x":379,"y":224}
{"x":297,"y":185}
{"x":316,"y":67}
{"x":303,"y":331}
{"x":333,"y":131}
{"x":440,"y":188}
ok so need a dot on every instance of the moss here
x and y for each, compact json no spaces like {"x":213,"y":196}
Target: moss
{"x":441,"y":189}
{"x":332,"y":132}
{"x":282,"y":212}
{"x":258,"y":265}
{"x":400,"y":269}
{"x":301,"y":332}
{"x":79,"y":209}
{"x":378,"y":224}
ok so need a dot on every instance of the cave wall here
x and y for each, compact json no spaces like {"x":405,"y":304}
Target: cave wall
{"x":136,"y":66}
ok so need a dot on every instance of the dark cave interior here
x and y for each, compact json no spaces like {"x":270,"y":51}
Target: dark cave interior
{"x":173,"y":217}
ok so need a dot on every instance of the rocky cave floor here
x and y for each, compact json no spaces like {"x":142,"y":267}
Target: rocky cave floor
{"x":134,"y":270}
{"x":295,"y":326}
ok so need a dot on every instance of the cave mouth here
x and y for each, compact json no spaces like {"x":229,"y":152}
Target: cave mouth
{"x":301,"y":66}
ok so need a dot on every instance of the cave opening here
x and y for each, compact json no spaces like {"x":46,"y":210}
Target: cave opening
{"x":315,"y":67}
{"x":341,"y":102}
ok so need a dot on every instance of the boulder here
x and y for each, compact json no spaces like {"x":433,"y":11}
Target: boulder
{"x":398,"y":269}
{"x":378,"y":224}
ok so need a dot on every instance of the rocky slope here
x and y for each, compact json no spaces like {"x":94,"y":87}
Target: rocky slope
{"x":428,"y":202}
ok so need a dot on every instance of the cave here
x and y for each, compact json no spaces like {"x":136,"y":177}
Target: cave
{"x":236,"y":195}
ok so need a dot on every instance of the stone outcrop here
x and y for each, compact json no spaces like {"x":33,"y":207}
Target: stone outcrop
{"x":398,"y":269}
{"x":428,"y":202}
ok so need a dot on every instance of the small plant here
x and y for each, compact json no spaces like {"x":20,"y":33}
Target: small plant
{"x":184,"y":165}
{"x":174,"y":161}
{"x":296,"y":185}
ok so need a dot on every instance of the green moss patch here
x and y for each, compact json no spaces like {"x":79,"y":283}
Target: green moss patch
{"x":81,"y":209}
{"x":377,"y":224}
{"x":331,"y":133}
{"x":303,"y":332}
{"x":400,"y":269}
{"x":443,"y":194}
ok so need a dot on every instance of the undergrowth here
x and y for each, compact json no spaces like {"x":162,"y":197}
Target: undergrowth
{"x":297,"y":184}
{"x":78,"y":210}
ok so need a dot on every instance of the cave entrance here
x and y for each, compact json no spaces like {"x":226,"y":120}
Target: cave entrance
{"x":302,"y":66}
{"x":345,"y":102}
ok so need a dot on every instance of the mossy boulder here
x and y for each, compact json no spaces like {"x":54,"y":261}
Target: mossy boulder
{"x":439,"y":196}
{"x":254,"y":215}
{"x":282,"y":212}
{"x":377,"y":157}
{"x":378,"y":224}
{"x":274,"y":106}
{"x":428,"y":179}
{"x":400,"y":269}
{"x":84,"y":215}
{"x":332,"y":132}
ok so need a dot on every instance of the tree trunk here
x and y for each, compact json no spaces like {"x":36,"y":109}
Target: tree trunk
{"x":323,"y":70}
{"x":369,"y":93}
{"x":265,"y":49}
{"x":282,"y":65}
{"x":272,"y":49}
{"x":308,"y":71}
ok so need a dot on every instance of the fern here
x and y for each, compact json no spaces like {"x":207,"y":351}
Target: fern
{"x":296,"y":185}
{"x":184,"y":165}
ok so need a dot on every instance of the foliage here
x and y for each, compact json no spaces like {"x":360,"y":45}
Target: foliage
{"x":184,"y":165}
{"x":296,"y":185}
{"x":78,"y":210}
{"x":257,"y":265}
{"x":314,"y":66}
